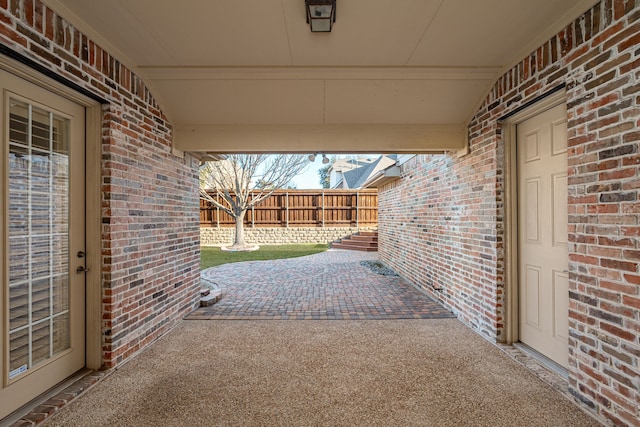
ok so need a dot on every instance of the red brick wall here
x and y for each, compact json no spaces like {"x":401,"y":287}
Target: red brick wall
{"x":437,"y":227}
{"x":442,"y":225}
{"x":150,"y":222}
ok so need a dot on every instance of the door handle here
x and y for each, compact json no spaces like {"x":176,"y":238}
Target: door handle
{"x":81,"y":269}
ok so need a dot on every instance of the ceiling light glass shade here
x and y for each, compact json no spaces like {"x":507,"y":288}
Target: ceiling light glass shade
{"x":321,"y":14}
{"x":320,"y":25}
{"x":312,"y":157}
{"x":325,"y":159}
{"x":320,"y":11}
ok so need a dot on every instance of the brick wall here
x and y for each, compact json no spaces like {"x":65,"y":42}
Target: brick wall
{"x":150,"y":223}
{"x":437,"y":226}
{"x":442,"y":224}
{"x":213,"y":236}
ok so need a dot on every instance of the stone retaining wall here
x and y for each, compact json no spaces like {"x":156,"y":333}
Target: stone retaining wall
{"x":212,"y":236}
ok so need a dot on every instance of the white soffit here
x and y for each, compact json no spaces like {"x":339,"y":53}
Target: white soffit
{"x":220,"y":66}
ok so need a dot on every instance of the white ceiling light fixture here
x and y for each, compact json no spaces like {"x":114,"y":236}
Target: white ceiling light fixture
{"x":321,"y":14}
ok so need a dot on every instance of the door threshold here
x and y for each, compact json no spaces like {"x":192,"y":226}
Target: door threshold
{"x":543,"y":360}
{"x":39,"y":409}
{"x":554,"y":376}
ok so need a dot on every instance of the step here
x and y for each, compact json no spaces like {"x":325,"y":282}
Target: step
{"x":365,"y":243}
{"x":354,"y":247}
{"x":210,"y":299}
{"x":367,"y":233}
{"x":360,"y":244}
{"x":364,"y":238}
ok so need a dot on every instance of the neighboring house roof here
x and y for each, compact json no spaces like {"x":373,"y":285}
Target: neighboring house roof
{"x":340,"y":166}
{"x":355,"y":178}
{"x":382,"y":177}
{"x":348,"y":164}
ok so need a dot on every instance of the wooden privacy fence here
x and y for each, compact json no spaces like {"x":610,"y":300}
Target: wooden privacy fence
{"x":302,"y":208}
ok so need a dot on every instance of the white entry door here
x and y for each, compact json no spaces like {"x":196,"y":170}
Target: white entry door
{"x":42,"y":315}
{"x":542,"y":233}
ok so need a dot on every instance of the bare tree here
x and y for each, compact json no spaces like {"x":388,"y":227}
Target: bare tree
{"x":239,"y":183}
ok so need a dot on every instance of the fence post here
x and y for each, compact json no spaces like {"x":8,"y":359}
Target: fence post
{"x":322,"y":208}
{"x":357,"y":210}
{"x":253,"y":217}
{"x":217,"y":212}
{"x":286,"y":205}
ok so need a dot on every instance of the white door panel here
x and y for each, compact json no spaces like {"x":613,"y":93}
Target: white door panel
{"x":542,"y":233}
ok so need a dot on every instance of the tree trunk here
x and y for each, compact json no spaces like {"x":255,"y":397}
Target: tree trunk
{"x":240,"y":229}
{"x":239,"y":245}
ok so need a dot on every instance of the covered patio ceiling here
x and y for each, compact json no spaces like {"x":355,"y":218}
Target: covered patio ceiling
{"x":249,"y":76}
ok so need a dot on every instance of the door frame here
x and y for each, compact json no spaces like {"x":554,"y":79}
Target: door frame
{"x":509,"y":128}
{"x":93,"y":171}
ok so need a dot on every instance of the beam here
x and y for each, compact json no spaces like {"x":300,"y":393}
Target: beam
{"x":382,"y":138}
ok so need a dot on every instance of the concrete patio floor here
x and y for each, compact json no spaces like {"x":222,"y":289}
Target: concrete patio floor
{"x":266,"y":371}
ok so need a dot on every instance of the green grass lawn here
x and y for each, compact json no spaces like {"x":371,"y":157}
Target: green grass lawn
{"x":210,"y":257}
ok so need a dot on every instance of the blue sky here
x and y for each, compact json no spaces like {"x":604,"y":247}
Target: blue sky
{"x":310,"y":179}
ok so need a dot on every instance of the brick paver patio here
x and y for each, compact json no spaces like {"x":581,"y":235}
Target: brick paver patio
{"x":332,"y":285}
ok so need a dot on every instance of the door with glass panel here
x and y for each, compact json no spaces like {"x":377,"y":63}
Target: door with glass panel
{"x":42,"y":240}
